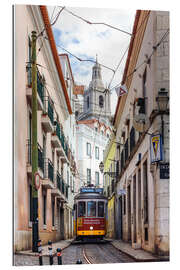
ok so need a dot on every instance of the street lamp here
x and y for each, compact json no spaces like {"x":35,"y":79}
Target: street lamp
{"x":101,"y":167}
{"x":162,"y":101}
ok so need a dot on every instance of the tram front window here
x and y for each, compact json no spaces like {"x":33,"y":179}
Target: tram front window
{"x":91,"y":209}
{"x":100,"y":209}
{"x":81,"y":209}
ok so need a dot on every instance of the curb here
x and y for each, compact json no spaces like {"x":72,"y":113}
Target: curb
{"x":23,"y":253}
{"x":141,"y":260}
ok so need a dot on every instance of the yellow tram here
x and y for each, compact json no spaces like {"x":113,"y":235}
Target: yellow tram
{"x":90,"y":213}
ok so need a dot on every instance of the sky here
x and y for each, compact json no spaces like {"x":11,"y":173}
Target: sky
{"x":86,"y":41}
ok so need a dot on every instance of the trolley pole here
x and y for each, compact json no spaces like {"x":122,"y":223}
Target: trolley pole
{"x":35,"y":229}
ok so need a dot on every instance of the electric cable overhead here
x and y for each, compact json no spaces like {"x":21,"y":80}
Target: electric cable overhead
{"x":51,"y":24}
{"x":146,"y":60}
{"x":98,"y":23}
{"x":81,"y":60}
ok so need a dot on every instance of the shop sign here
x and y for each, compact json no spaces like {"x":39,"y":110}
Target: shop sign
{"x":164,"y":170}
{"x":156,"y":148}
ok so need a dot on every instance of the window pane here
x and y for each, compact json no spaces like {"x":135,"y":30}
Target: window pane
{"x":97,"y":178}
{"x":81,"y":209}
{"x":100,"y":209}
{"x":91,"y":208}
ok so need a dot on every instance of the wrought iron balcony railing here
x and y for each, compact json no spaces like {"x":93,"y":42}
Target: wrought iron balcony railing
{"x":49,"y":108}
{"x":40,"y":86}
{"x":40,"y":81}
{"x":40,"y":158}
{"x":48,"y":169}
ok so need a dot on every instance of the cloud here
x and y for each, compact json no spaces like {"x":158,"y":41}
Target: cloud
{"x":85,"y":40}
{"x":75,"y":40}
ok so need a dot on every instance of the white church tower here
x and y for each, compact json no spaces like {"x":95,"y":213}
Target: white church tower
{"x":93,"y":130}
{"x":96,"y":98}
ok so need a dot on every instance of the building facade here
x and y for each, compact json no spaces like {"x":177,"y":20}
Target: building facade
{"x":142,"y":130}
{"x":93,"y":129}
{"x":54,"y":107}
{"x":109,"y":172}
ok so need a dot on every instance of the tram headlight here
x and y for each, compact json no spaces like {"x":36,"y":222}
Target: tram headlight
{"x":91,"y":228}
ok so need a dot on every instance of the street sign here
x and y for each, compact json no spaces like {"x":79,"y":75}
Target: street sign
{"x":121,"y":90}
{"x":164,"y":170}
{"x":37,"y":180}
{"x":156,"y":148}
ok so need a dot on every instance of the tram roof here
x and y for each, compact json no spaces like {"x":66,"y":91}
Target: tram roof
{"x":89,"y":195}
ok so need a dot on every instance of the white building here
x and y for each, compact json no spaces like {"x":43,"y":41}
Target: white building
{"x":93,"y":130}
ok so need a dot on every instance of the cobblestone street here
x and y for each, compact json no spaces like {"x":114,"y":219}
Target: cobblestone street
{"x":87,"y":253}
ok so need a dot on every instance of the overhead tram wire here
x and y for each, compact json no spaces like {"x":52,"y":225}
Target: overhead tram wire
{"x":128,"y":46}
{"x":118,"y":66}
{"x":145,"y":61}
{"x":51,"y":23}
{"x":108,"y":25}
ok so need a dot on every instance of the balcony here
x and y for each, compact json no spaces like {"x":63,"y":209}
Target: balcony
{"x":29,"y":157}
{"x":47,"y":117}
{"x":48,"y":177}
{"x":62,"y":151}
{"x":40,"y":90}
{"x":55,"y":137}
{"x":58,"y":191}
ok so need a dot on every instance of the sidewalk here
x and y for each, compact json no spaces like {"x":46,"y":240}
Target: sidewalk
{"x":139,"y":255}
{"x":61,"y":244}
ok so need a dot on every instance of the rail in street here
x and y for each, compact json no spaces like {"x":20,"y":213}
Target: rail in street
{"x":87,"y":253}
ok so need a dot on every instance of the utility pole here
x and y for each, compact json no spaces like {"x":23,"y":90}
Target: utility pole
{"x":35,"y":229}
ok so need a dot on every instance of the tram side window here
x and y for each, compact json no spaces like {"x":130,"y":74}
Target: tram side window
{"x":81,"y":209}
{"x":100,"y":209}
{"x":91,"y":209}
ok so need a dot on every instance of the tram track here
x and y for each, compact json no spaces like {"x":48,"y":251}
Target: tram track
{"x":102,"y":254}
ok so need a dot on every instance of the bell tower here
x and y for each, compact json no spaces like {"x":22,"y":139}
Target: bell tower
{"x":96,"y":98}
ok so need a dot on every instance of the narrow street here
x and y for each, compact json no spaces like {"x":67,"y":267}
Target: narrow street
{"x":88,"y":253}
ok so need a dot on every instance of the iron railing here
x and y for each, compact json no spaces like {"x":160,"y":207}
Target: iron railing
{"x":40,"y":81}
{"x":48,"y":169}
{"x":50,"y":111}
{"x":40,"y":86}
{"x":40,"y":158}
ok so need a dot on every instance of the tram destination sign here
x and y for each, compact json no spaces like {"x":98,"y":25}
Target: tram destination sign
{"x":164,"y":170}
{"x":91,"y":190}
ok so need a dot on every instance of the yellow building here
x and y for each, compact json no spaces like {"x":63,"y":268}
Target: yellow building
{"x":109,"y":183}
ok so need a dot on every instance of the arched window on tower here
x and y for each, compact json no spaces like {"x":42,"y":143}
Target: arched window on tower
{"x":88,"y":102}
{"x":101,"y":101}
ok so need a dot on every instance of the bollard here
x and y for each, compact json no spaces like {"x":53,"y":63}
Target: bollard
{"x":50,"y":252}
{"x":40,"y":252}
{"x":79,"y":261}
{"x":59,"y":257}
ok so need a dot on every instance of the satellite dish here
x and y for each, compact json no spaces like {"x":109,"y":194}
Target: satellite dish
{"x":141,"y":122}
